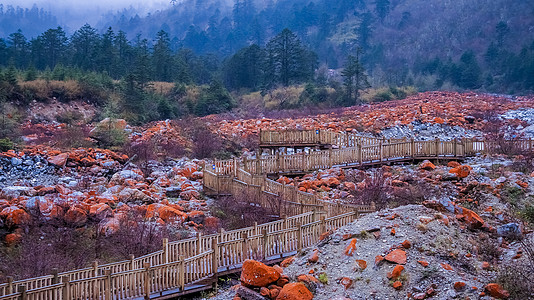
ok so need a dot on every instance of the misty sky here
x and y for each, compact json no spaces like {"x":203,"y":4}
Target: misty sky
{"x":103,"y":4}
{"x":75,"y":13}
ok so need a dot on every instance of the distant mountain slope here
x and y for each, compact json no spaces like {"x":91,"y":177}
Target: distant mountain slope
{"x":394,"y":32}
{"x":31,"y":21}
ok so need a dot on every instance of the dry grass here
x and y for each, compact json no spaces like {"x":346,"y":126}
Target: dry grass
{"x":162,"y":88}
{"x":42,"y":90}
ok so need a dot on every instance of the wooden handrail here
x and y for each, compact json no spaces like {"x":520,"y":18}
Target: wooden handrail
{"x":187,"y":261}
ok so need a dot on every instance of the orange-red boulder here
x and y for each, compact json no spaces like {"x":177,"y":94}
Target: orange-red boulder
{"x":461,"y":171}
{"x":496,"y":290}
{"x":395,"y":274}
{"x":351,"y":247}
{"x":295,"y":291}
{"x":59,"y":160}
{"x":100,"y":211}
{"x":427,"y":165}
{"x":14,"y":216}
{"x":288,"y":261}
{"x":76,"y":216}
{"x":362,"y":264}
{"x":257,"y":274}
{"x":397,"y":256}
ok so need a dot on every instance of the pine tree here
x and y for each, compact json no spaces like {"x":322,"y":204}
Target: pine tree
{"x":355,"y":79}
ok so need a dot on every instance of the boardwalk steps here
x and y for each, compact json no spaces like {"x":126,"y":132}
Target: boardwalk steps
{"x":192,"y":265}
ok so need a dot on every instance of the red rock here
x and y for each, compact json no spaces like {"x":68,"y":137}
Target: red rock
{"x":196,"y":216}
{"x":273,"y":293}
{"x":265,"y":292}
{"x":283,"y":280}
{"x":362,"y":264}
{"x":395,"y":274}
{"x":59,"y":160}
{"x":473,"y":220}
{"x":100,"y":211}
{"x":257,"y":274}
{"x":314,"y":257}
{"x":427,"y":165}
{"x":522,"y":184}
{"x":284,"y":180}
{"x":461,"y":171}
{"x":423,"y":263}
{"x":406,"y":244}
{"x":349,"y":186}
{"x":397,"y":285}
{"x":46,"y":190}
{"x":397,"y":256}
{"x":453,"y":164}
{"x":346,"y":282}
{"x":76,"y":216}
{"x":295,"y":291}
{"x":308,"y":280}
{"x":459,"y":285}
{"x":379,"y":259}
{"x":485,"y":265}
{"x":14,"y":216}
{"x":419,"y":296}
{"x":12,"y":239}
{"x":286,"y":262}
{"x":278,"y":269}
{"x":393,"y":231}
{"x":446,"y":266}
{"x":496,"y":291}
{"x":351,"y":247}
{"x":190,"y":194}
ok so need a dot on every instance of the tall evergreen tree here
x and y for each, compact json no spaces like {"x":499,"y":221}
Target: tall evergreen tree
{"x":162,"y":59}
{"x":84,"y":44}
{"x":354,"y":79}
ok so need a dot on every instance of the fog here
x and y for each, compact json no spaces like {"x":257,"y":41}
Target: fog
{"x":73,"y":14}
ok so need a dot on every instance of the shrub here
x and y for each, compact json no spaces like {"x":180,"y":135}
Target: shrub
{"x":6,"y":144}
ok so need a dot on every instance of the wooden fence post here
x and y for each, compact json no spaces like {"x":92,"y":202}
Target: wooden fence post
{"x":182,"y":272}
{"x":107,"y":284}
{"x":132,"y":262}
{"x":55,"y":273}
{"x":412,"y":148}
{"x":245,"y":246}
{"x":330,"y":157}
{"x":95,"y":268}
{"x":356,"y":213}
{"x":198,"y":250}
{"x":299,"y":237}
{"x":66,"y":288}
{"x":165,"y":255}
{"x":148,"y":280}
{"x":215,"y":261}
{"x":264,"y":242}
{"x":9,"y":285}
{"x":22,"y":291}
{"x":323,"y":224}
{"x":360,"y":153}
{"x":381,"y":145}
{"x":373,"y":206}
{"x":455,"y":147}
{"x":437,"y":147}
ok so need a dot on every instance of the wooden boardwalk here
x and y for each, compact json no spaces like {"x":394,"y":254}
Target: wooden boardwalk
{"x":192,"y":265}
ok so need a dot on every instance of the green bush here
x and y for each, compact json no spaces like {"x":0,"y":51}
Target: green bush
{"x":6,"y":144}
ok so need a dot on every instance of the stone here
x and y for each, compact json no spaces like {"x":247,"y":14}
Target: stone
{"x":309,"y":281}
{"x":314,"y":257}
{"x":397,"y":285}
{"x":76,"y":216}
{"x":14,"y":216}
{"x":510,"y":230}
{"x":248,"y":294}
{"x":446,"y":266}
{"x":257,"y":274}
{"x":286,"y":262}
{"x":461,"y":171}
{"x":397,"y":256}
{"x":427,"y":165}
{"x":423,"y":263}
{"x":100,"y":211}
{"x":395,"y":274}
{"x":196,"y":216}
{"x":351,"y":247}
{"x":496,"y":290}
{"x":362,"y":264}
{"x":459,"y":286}
{"x":406,"y":244}
{"x":295,"y":291}
{"x":346,"y":282}
{"x":59,"y":160}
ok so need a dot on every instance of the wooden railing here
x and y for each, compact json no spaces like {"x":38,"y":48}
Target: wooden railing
{"x":305,"y":217}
